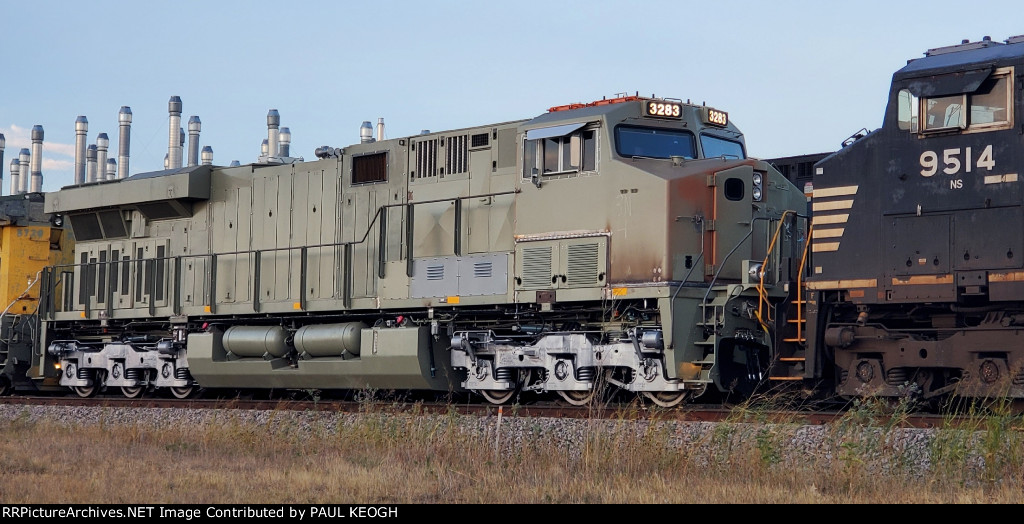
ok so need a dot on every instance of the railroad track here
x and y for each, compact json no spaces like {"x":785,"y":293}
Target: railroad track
{"x":692,"y":413}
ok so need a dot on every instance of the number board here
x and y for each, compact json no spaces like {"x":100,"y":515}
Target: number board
{"x":663,"y":109}
{"x":715,"y":117}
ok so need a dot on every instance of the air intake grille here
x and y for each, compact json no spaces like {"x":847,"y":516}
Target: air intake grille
{"x":458,"y":154}
{"x":537,"y":267}
{"x":426,"y":159}
{"x":581,"y":267}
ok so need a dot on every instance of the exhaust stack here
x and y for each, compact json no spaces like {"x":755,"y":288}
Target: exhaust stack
{"x":286,"y":141}
{"x":273,"y":140}
{"x":15,"y":167}
{"x":264,"y":147}
{"x":174,"y":133}
{"x":366,"y":132}
{"x":81,"y":130}
{"x":207,"y":155}
{"x":111,"y":169}
{"x":124,"y":118}
{"x":380,"y":129}
{"x":194,"y":125}
{"x":36,"y":185}
{"x":23,"y":169}
{"x":3,"y":142}
{"x":90,"y":161}
{"x":102,"y":144}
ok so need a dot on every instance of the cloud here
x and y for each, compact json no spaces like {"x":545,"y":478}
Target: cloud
{"x":17,"y":138}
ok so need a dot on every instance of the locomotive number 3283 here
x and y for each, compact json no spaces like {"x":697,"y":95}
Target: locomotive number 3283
{"x":955,"y":160}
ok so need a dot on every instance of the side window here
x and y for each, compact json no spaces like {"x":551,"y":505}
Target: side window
{"x":945,"y":112}
{"x":908,"y":106}
{"x":991,"y":102}
{"x":561,"y":154}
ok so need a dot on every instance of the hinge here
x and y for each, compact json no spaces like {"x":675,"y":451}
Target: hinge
{"x":711,"y":180}
{"x":709,"y":270}
{"x":709,"y":225}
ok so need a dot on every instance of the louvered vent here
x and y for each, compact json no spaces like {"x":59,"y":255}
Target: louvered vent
{"x":458,"y":154}
{"x":435,"y":272}
{"x":482,"y":269}
{"x":426,"y":159}
{"x":581,"y":267}
{"x":537,"y":267}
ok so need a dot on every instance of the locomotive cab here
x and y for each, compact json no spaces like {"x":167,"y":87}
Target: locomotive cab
{"x":917,"y":245}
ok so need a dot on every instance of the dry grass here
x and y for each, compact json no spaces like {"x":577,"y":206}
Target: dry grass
{"x":379,"y":458}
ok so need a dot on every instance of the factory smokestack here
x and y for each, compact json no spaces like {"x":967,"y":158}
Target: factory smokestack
{"x":207,"y":155}
{"x":194,"y":125}
{"x":124,"y":119}
{"x":90,"y":161}
{"x":36,"y":185}
{"x":81,"y":130}
{"x":102,"y":145}
{"x":264,"y":147}
{"x":273,"y":123}
{"x":3,"y":142}
{"x":286,"y":141}
{"x":23,"y":170}
{"x":111,"y":169}
{"x":380,"y":129}
{"x":174,"y":133}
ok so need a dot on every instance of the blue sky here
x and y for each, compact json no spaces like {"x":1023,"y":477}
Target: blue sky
{"x":797,"y":77}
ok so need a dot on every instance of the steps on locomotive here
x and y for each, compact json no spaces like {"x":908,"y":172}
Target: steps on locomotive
{"x":791,"y":351}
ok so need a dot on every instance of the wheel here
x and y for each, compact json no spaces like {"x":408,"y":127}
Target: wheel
{"x":666,"y":399}
{"x":5,"y":386}
{"x":496,"y":396}
{"x":578,"y":398}
{"x":85,"y":391}
{"x":183,"y":392}
{"x":131,"y":391}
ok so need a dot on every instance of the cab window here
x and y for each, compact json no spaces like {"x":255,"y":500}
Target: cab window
{"x":716,"y":147}
{"x":987,"y":107}
{"x":570,"y":153}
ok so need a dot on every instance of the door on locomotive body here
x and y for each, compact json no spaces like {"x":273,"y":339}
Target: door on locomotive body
{"x":150,"y":269}
{"x":119,"y":278}
{"x":365,"y":193}
{"x":731,"y":244}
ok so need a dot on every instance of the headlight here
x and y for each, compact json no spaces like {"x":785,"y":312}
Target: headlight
{"x":757,"y":179}
{"x":755,"y":272}
{"x":756,"y":192}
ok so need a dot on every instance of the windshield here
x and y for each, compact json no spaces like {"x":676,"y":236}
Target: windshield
{"x":653,"y":142}
{"x":715,"y":147}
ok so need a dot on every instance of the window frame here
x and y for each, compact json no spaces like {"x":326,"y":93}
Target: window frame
{"x":538,"y":147}
{"x":968,"y":126}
